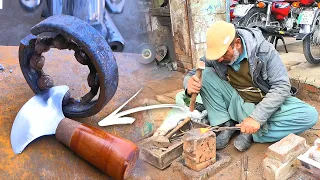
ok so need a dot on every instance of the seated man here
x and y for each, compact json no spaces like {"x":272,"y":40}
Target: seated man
{"x":246,"y":82}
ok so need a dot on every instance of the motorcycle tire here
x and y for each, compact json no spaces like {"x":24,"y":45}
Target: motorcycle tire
{"x":306,"y":45}
{"x":250,"y":14}
{"x":307,"y":51}
{"x":237,"y":21}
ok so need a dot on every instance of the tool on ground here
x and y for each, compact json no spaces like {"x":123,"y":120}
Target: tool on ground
{"x":90,"y":49}
{"x":42,"y":115}
{"x":117,"y":118}
{"x":244,"y":167}
{"x":147,"y":52}
{"x":163,"y":141}
{"x":163,"y":157}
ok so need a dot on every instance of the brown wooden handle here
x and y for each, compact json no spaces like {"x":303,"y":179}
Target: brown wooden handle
{"x":185,"y":121}
{"x":113,"y":155}
{"x":194,"y":95}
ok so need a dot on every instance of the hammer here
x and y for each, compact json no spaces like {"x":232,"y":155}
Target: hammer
{"x":163,"y":141}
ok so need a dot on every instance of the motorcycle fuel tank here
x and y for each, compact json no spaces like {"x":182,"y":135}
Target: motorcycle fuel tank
{"x":280,"y":10}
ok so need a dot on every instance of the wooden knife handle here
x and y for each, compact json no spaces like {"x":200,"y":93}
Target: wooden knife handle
{"x":113,"y":155}
{"x":194,"y":95}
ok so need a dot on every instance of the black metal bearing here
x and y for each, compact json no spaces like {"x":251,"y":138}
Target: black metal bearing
{"x":91,"y":49}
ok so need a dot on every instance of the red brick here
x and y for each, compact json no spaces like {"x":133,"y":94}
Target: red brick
{"x":199,"y":149}
{"x":275,"y":170}
{"x":287,"y":148}
{"x":197,"y":166}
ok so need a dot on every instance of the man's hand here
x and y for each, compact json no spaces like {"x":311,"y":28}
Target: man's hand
{"x":249,"y":126}
{"x":194,"y":85}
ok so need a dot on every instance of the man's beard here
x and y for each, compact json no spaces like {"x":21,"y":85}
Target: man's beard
{"x":236,"y":55}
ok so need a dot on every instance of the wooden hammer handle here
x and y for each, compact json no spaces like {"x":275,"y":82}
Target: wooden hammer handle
{"x":113,"y":155}
{"x":194,"y":95}
{"x":192,"y":103}
{"x":185,"y":121}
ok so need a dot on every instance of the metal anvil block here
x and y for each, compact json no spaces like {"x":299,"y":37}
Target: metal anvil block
{"x":199,"y":148}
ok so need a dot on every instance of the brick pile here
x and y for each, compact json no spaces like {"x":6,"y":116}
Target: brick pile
{"x":281,"y":161}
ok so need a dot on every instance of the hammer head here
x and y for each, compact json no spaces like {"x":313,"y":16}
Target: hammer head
{"x":200,"y":65}
{"x":161,"y":142}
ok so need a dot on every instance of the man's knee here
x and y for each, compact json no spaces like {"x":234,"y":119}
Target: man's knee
{"x":309,"y":118}
{"x":313,"y":116}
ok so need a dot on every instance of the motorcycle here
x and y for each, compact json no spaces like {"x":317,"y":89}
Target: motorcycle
{"x":299,"y":19}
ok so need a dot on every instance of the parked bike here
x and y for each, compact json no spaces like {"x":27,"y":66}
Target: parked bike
{"x":300,"y":19}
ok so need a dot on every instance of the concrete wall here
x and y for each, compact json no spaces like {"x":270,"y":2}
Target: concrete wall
{"x":190,"y":20}
{"x":201,"y":16}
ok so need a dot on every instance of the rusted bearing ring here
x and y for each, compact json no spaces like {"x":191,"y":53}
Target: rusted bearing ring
{"x":90,"y":48}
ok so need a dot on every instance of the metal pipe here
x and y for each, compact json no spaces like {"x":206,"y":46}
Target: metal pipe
{"x":114,"y":38}
{"x":268,"y":13}
{"x":94,"y":13}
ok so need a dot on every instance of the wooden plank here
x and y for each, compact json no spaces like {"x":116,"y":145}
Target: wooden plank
{"x":180,"y":31}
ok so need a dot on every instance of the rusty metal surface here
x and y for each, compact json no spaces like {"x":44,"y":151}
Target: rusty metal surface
{"x":90,"y":49}
{"x":47,"y":158}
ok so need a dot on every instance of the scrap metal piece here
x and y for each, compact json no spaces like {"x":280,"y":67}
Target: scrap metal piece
{"x":30,"y":5}
{"x":115,"y":6}
{"x":95,"y":52}
{"x":1,"y":67}
{"x":244,"y":167}
{"x":147,"y":52}
{"x":161,"y":52}
{"x":114,"y":38}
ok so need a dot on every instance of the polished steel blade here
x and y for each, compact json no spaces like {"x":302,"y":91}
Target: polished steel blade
{"x":38,"y":117}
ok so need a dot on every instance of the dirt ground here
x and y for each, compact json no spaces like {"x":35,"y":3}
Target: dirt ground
{"x":256,"y":154}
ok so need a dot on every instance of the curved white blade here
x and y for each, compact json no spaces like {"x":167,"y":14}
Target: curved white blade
{"x":38,"y":117}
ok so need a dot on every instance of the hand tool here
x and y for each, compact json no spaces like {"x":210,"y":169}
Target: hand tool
{"x":218,"y":129}
{"x":244,"y":167}
{"x":163,"y":141}
{"x":42,"y":115}
{"x":214,"y":129}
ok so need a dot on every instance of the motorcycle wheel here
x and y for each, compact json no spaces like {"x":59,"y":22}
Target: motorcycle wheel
{"x":311,"y":44}
{"x":255,"y":17}
{"x":237,"y":21}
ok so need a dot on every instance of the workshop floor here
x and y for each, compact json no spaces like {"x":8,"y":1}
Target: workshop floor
{"x":46,"y":158}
